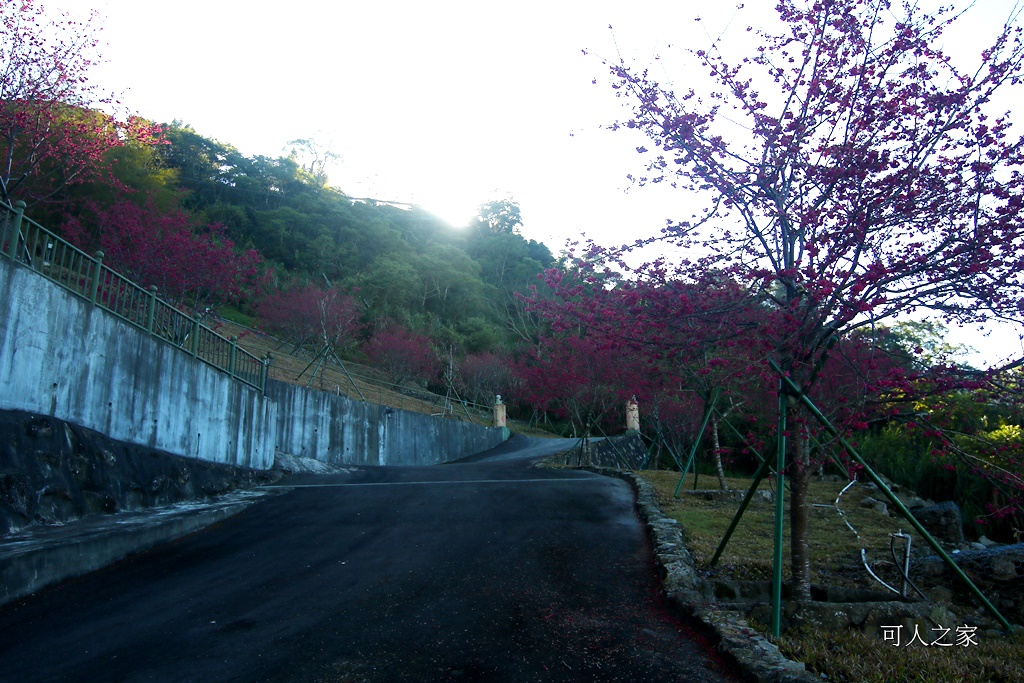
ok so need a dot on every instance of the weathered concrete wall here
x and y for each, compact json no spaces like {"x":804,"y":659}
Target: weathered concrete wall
{"x":341,"y":431}
{"x":61,"y":356}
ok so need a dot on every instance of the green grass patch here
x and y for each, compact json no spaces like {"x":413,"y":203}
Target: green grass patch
{"x":835,"y":549}
{"x":836,"y":561}
{"x":852,"y":657}
{"x":236,"y":316}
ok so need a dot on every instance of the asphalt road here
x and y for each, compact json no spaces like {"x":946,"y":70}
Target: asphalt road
{"x":485,"y":570}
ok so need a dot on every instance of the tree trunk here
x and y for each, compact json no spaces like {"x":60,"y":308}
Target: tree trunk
{"x":800,"y":559}
{"x":718,"y":452}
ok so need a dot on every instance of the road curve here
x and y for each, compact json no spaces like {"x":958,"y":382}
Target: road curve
{"x":483,"y":570}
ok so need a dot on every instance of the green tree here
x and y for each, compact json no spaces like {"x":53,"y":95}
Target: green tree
{"x":388,"y":288}
{"x":313,"y":158}
{"x":853,"y":174}
{"x":499,"y":217}
{"x":449,"y":282}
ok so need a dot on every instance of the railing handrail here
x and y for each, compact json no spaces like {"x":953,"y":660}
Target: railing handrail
{"x":25,"y":241}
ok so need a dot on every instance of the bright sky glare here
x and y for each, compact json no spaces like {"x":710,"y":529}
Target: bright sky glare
{"x":445,"y":104}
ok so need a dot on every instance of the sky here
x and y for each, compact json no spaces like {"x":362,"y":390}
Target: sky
{"x":443,"y":104}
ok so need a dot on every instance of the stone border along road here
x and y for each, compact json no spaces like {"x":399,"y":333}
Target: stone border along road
{"x":756,"y":656}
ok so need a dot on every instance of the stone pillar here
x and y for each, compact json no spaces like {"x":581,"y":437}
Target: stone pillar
{"x":499,"y":412}
{"x":632,"y":415}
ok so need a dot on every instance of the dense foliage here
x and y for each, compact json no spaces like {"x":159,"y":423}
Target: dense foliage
{"x":400,"y":262}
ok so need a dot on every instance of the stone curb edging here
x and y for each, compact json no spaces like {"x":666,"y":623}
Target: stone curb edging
{"x":757,"y":658}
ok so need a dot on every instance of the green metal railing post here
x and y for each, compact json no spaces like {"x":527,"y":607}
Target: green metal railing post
{"x":19,"y":214}
{"x":263,"y":374}
{"x":231,"y":356}
{"x":780,"y":510}
{"x":195,"y":336}
{"x":820,"y":417}
{"x":85,"y":276}
{"x":97,"y":275}
{"x":151,"y":313}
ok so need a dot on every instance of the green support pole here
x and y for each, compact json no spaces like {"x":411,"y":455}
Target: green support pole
{"x":647,"y":457}
{"x":780,"y":488}
{"x":758,"y":476}
{"x":316,"y":370}
{"x":672,"y":452}
{"x":746,"y":443}
{"x":892,"y":498}
{"x":315,"y":359}
{"x":354,"y":385}
{"x":700,"y":435}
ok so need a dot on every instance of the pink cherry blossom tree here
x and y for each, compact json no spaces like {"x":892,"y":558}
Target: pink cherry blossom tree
{"x":854,"y":173}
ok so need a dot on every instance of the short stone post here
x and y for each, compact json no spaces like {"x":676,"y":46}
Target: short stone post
{"x":499,"y":413}
{"x":632,"y":415}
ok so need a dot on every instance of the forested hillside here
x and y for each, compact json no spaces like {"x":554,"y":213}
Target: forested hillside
{"x":251,"y":236}
{"x":269,"y":243}
{"x":400,"y":262}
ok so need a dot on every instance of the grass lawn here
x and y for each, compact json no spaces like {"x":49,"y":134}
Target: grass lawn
{"x":836,"y":560}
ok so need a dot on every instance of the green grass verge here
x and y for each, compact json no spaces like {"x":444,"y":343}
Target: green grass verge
{"x":836,"y":560}
{"x":852,"y":657}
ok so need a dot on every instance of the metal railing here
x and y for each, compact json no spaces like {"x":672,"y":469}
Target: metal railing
{"x":29,"y":243}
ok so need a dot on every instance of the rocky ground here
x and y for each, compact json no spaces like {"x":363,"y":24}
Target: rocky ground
{"x":53,"y":472}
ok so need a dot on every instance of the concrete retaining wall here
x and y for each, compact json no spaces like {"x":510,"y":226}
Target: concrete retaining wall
{"x":625,"y":451}
{"x":341,"y":431}
{"x":64,"y":357}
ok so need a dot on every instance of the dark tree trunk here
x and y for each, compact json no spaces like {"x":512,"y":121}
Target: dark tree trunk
{"x":800,"y":557}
